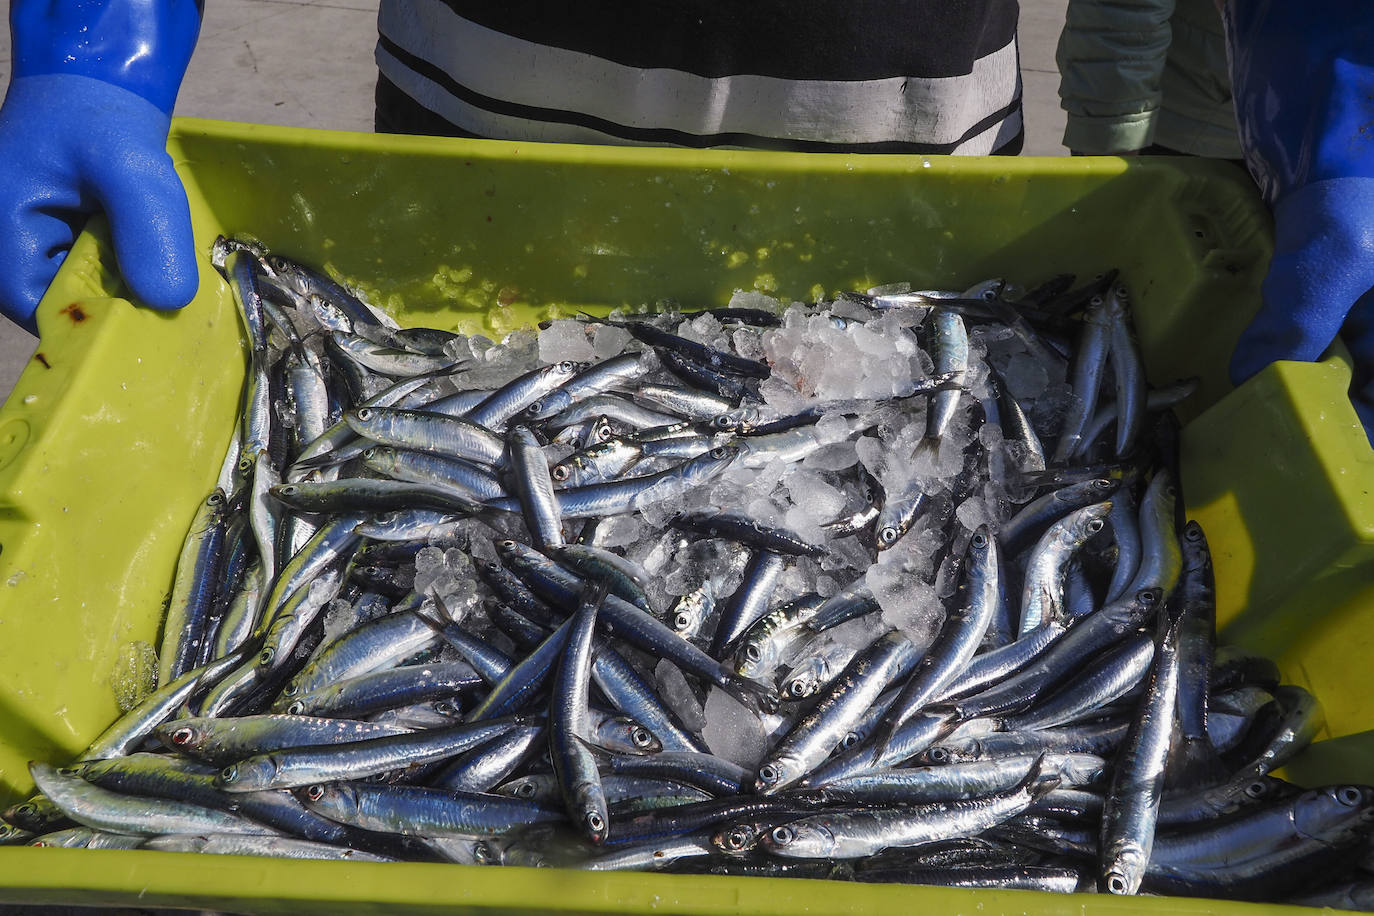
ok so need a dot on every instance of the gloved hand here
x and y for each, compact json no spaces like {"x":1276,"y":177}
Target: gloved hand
{"x":1303,"y":80}
{"x":83,"y":128}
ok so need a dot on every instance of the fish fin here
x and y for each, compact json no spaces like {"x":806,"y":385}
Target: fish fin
{"x":602,"y":756}
{"x":756,"y":697}
{"x":1037,"y":782}
{"x":1194,"y":764}
{"x":860,"y":298}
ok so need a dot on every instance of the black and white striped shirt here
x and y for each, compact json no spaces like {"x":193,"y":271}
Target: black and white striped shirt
{"x":925,"y":76}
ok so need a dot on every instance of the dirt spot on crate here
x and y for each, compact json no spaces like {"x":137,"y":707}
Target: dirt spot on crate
{"x":75,"y":313}
{"x":42,"y":359}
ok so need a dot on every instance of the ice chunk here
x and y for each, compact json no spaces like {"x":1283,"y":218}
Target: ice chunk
{"x":565,"y":340}
{"x":678,"y":696}
{"x":732,"y":731}
{"x":340,"y":616}
{"x":834,"y":457}
{"x":753,"y":299}
{"x":975,"y":511}
{"x":1026,"y":376}
{"x":619,"y":531}
{"x":908,"y":603}
{"x":429,"y":568}
{"x":608,"y":341}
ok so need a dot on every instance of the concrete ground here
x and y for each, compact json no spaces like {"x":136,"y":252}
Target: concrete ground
{"x":308,"y":63}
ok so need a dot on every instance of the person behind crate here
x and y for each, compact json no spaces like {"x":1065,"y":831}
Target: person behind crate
{"x":1146,"y":77}
{"x":84,"y":122}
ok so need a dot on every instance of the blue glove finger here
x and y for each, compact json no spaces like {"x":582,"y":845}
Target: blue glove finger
{"x":39,"y":243}
{"x":151,"y":223}
{"x":69,"y":146}
{"x":1323,"y":264}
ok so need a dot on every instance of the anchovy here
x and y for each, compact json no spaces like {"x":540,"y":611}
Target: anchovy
{"x":420,"y":811}
{"x":193,"y":590}
{"x":573,"y":761}
{"x":521,"y":392}
{"x":453,"y":437}
{"x":1132,"y":810}
{"x":852,"y":834}
{"x":807,"y":745}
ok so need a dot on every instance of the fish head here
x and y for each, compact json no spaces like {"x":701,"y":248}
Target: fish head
{"x":248,"y":775}
{"x":589,"y":812}
{"x":529,"y":788}
{"x":740,"y":838}
{"x":777,"y":774}
{"x":806,"y":839}
{"x":754,"y":658}
{"x":1124,"y":868}
{"x":1320,"y":813}
{"x":181,"y":735}
{"x":802,"y":682}
{"x":626,"y":736}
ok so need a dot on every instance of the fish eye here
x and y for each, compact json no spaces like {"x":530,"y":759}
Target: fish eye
{"x":1349,"y":796}
{"x":567,"y":365}
{"x":752,"y":652}
{"x":1102,"y":483}
{"x":737,"y":838}
{"x":888,"y":535}
{"x":507,"y":544}
{"x":315,"y":793}
{"x":682,"y":621}
{"x":723,"y":421}
{"x":363,"y":413}
{"x":215,"y":498}
{"x":229,"y":773}
{"x":291,"y":689}
{"x":26,"y":810}
{"x":245,"y":463}
{"x":1148,"y":596}
{"x":849,"y":740}
{"x":640,"y":737}
{"x":1095,"y":526}
{"x":266,"y":657}
{"x":447,"y":708}
{"x":979,"y":541}
{"x":183,"y":736}
{"x":719,"y":453}
{"x":1256,"y":790}
{"x":769,"y":774}
{"x":1121,"y":293}
{"x":535,"y":409}
{"x":1095,"y":300}
{"x":296,"y":709}
{"x":69,"y":771}
{"x":783,"y":835}
{"x":939,"y":755}
{"x":525,"y":790}
{"x":482,"y":854}
{"x":1117,"y":884}
{"x":797,"y":688}
{"x":989,"y":295}
{"x":560,"y":472}
{"x":595,"y":822}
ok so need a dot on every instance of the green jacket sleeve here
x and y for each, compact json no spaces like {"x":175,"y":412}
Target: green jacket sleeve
{"x":1111,"y":57}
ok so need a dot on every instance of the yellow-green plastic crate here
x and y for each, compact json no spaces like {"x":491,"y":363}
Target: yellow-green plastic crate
{"x":117,"y":427}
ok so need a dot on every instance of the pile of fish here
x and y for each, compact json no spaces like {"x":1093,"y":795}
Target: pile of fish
{"x":889,"y":588}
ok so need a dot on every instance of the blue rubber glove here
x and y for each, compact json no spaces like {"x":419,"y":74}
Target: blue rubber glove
{"x":84,"y":128}
{"x":1303,"y":76}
